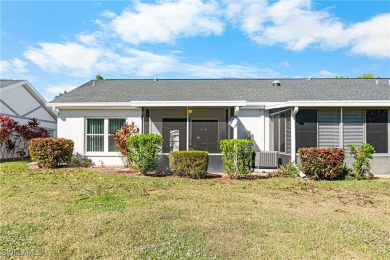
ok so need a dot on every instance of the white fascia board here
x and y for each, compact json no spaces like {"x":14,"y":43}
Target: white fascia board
{"x":188,"y":103}
{"x":91,"y":105}
{"x":256,"y":105}
{"x":12,"y":86}
{"x":332,"y":103}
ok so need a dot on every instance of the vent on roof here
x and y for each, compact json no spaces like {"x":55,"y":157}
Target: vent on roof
{"x":276,"y":83}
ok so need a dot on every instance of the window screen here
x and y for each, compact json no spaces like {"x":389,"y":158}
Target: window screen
{"x":306,"y":128}
{"x":328,"y":128}
{"x":376,"y":129}
{"x":113,"y":125}
{"x":353,"y":127}
{"x":95,"y":135}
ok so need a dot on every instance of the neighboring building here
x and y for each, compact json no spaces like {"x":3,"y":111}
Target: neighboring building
{"x":21,"y":101}
{"x":280,"y":115}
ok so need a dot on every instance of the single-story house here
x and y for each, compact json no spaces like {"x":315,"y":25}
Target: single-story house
{"x":280,"y":115}
{"x":21,"y":101}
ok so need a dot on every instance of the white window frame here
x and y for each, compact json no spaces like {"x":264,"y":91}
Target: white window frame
{"x":105,"y":134}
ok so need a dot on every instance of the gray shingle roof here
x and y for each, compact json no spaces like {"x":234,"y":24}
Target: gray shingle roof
{"x":7,"y":82}
{"x":250,"y":90}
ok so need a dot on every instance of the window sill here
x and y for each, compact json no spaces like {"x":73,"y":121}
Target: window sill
{"x":103,"y":154}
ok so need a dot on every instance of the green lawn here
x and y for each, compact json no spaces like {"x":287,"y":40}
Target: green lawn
{"x":76,"y":213}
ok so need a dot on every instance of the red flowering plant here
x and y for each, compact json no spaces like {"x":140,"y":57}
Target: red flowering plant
{"x":27,"y":132}
{"x":15,"y":137}
{"x":7,"y":135}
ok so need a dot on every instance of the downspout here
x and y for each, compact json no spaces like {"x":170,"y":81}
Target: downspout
{"x":55,"y":111}
{"x":235,"y":129}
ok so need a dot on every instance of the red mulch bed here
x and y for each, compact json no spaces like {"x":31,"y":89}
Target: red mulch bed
{"x":117,"y":170}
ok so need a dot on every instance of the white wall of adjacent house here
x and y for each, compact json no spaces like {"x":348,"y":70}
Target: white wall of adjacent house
{"x":252,"y":120}
{"x":19,"y":103}
{"x":72,"y":124}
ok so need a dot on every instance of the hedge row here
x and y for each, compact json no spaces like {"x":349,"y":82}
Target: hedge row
{"x":51,"y":152}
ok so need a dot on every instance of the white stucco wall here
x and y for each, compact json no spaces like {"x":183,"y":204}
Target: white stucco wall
{"x":252,"y":120}
{"x":71,"y":125}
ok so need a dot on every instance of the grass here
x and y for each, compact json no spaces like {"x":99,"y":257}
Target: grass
{"x":77,"y":213}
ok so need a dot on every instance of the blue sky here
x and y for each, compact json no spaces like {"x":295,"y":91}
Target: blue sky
{"x":59,"y":45}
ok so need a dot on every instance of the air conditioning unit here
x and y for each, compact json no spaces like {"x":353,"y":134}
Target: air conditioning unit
{"x":267,"y":159}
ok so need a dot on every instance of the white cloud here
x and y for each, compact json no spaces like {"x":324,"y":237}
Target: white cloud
{"x":81,"y":61}
{"x":285,"y":64}
{"x":218,"y":70}
{"x":14,"y":66}
{"x":291,"y":23}
{"x":371,"y":37}
{"x":165,"y":21}
{"x":297,"y":26}
{"x":108,"y":14}
{"x":92,"y":39}
{"x":323,"y":74}
{"x":73,"y":58}
{"x":59,"y":88}
{"x":248,"y":14}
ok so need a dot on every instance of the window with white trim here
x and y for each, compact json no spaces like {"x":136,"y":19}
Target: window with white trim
{"x":98,"y":133}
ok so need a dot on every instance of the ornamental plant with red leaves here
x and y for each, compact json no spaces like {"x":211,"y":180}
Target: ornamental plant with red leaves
{"x":29,"y":131}
{"x":120,"y":137}
{"x":15,"y":137}
{"x":7,"y":135}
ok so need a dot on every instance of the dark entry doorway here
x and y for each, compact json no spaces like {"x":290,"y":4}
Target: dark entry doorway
{"x":205,"y":135}
{"x":174,"y":134}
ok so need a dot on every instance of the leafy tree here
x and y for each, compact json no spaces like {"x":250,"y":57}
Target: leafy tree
{"x":99,"y":77}
{"x":367,"y":76}
{"x":363,"y":76}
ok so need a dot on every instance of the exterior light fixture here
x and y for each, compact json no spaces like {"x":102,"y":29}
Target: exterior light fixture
{"x":190,"y":110}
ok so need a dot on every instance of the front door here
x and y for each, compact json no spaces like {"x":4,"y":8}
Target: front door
{"x":205,"y":135}
{"x":174,"y":134}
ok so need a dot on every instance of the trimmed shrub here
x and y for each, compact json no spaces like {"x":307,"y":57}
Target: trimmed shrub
{"x":51,"y":152}
{"x":143,"y":151}
{"x":362,"y":156}
{"x":193,"y":164}
{"x":323,"y":163}
{"x":288,"y":170}
{"x":237,"y":157}
{"x":81,"y":160}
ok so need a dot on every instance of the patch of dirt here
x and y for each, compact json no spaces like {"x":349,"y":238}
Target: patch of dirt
{"x":115,"y":170}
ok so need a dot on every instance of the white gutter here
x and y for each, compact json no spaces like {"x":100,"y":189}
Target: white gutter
{"x":77,"y":105}
{"x":331,"y":103}
{"x":188,"y":103}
